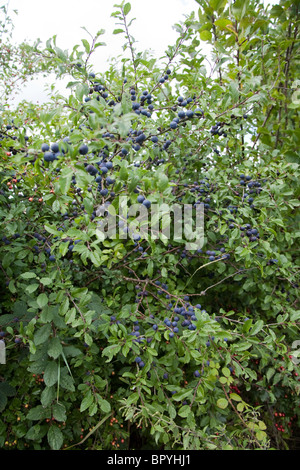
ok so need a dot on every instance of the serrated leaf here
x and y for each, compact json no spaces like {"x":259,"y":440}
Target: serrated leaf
{"x":86,"y":402}
{"x":59,"y":412}
{"x":95,"y":258}
{"x":51,"y":374}
{"x":42,"y":300}
{"x":270,"y":373}
{"x":54,"y":348}
{"x":105,"y":406}
{"x":65,"y":182}
{"x":64,"y":307}
{"x":47,"y":396}
{"x":93,"y":409}
{"x":88,"y":339}
{"x":184,"y":411}
{"x":55,"y":437}
{"x":28,"y":275}
{"x":42,"y":334}
{"x":37,"y":413}
{"x":234,"y":92}
{"x":56,"y":205}
{"x":163,"y":182}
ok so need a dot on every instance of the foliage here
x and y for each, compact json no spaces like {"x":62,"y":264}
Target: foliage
{"x":129,"y":342}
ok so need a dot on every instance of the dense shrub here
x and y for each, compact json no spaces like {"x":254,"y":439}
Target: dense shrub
{"x":136,"y":342}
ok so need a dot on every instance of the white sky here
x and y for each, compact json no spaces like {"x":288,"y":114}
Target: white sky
{"x":45,"y":18}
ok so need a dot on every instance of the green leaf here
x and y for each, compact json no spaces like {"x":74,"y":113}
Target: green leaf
{"x":205,"y":35}
{"x":88,"y":339}
{"x":82,"y":89}
{"x":235,"y":397}
{"x":42,"y":334}
{"x":163,"y":182}
{"x":234,"y":92}
{"x":184,"y":411}
{"x":7,"y":389}
{"x":28,"y":275}
{"x":86,"y":402}
{"x":37,"y":413}
{"x":67,"y":383}
{"x":51,"y":374}
{"x":35,"y":433}
{"x":55,"y":437}
{"x":32,"y":288}
{"x":88,"y":205}
{"x":133,"y":398}
{"x":86,"y":45}
{"x":242,"y":346}
{"x":54,"y":348}
{"x":262,"y":425}
{"x":64,"y":307}
{"x":46,"y":281}
{"x":42,"y":300}
{"x":95,"y":258}
{"x":261,"y":435}
{"x":65,"y":182}
{"x":247,"y":325}
{"x":222,"y":23}
{"x":127,"y":8}
{"x":11,"y":287}
{"x":105,"y":406}
{"x":226,"y":371}
{"x":270,"y":373}
{"x":222,"y":403}
{"x":257,"y":327}
{"x":182,"y":395}
{"x":47,"y":396}
{"x":123,"y":173}
{"x":59,"y":412}
{"x":217,"y":4}
{"x":240,"y":406}
{"x":223,"y":380}
{"x":3,"y":401}
{"x":56,"y":205}
{"x":52,"y":230}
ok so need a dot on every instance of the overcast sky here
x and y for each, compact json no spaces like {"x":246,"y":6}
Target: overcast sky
{"x":65,"y":18}
{"x":153,"y":25}
{"x":43,"y":19}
